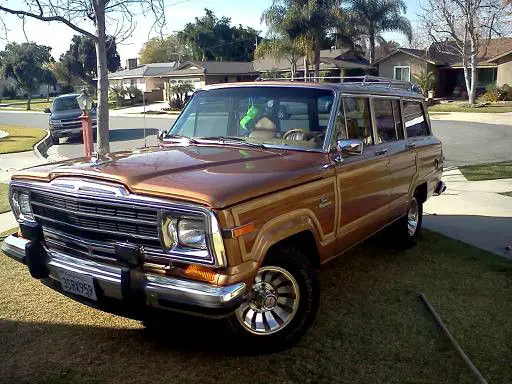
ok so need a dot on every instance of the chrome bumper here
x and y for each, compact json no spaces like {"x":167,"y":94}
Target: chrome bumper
{"x":64,"y":132}
{"x":159,"y":291}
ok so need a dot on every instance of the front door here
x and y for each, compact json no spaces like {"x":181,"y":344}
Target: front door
{"x":362,"y":181}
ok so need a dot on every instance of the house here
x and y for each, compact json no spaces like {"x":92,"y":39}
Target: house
{"x":333,"y":62}
{"x":494,"y":65}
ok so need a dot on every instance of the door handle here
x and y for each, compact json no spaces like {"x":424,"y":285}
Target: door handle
{"x":381,"y":152}
{"x":410,"y":145}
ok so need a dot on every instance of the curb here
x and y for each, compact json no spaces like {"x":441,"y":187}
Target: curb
{"x":41,"y":148}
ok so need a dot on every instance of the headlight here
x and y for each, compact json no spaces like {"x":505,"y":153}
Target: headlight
{"x":191,"y":233}
{"x":20,"y":204}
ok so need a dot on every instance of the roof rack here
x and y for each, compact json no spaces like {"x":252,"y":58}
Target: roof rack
{"x":361,"y":80}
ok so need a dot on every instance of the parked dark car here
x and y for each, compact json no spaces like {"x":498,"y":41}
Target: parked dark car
{"x":64,"y":118}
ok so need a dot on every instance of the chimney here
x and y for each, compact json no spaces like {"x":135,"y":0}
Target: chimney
{"x":131,"y":63}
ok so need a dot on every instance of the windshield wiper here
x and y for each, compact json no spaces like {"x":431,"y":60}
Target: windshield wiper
{"x":232,"y":139}
{"x":180,"y":137}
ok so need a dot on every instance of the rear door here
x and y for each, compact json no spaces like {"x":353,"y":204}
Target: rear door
{"x":402,"y":159}
{"x":362,"y":181}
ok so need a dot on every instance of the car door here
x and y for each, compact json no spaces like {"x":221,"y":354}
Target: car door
{"x":402,"y":157}
{"x":362,"y":180}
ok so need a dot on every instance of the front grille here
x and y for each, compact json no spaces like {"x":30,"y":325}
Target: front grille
{"x":96,"y":220}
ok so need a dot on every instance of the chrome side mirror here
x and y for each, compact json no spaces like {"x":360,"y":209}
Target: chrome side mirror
{"x":350,"y":147}
{"x":160,"y":135}
{"x":47,"y":110}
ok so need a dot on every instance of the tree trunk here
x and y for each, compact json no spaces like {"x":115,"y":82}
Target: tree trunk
{"x":474,"y":75}
{"x":47,"y":92}
{"x":29,"y":98}
{"x":306,"y":72}
{"x":371,"y":37}
{"x":293,"y":69}
{"x":103,"y":146}
{"x":317,"y":63}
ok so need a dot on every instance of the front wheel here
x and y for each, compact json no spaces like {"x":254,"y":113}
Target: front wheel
{"x":283,"y":302}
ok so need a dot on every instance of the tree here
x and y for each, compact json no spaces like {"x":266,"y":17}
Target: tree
{"x":80,"y":59}
{"x":384,"y":47}
{"x":462,"y":28}
{"x":89,"y":18}
{"x":281,"y":48}
{"x":374,"y":17}
{"x":211,"y":38}
{"x":61,"y":72}
{"x":25,"y":65}
{"x":165,"y":49}
{"x":180,"y":91}
{"x":426,"y":80}
{"x":306,"y":22}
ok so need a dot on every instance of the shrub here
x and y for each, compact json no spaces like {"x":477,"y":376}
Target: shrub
{"x":116,"y":95}
{"x":134,"y":93}
{"x":507,"y":90}
{"x":176,"y":104}
{"x":493,"y":94}
{"x":67,"y":88}
{"x":426,"y":80}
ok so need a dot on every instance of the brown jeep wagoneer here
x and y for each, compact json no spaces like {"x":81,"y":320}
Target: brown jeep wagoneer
{"x":253,"y":188}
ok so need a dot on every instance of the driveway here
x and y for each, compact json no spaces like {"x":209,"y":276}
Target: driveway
{"x":464,"y":142}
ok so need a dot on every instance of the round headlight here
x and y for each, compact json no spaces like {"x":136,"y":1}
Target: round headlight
{"x":191,"y":233}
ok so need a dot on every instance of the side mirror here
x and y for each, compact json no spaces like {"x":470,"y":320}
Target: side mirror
{"x":350,"y":147}
{"x":47,"y":110}
{"x":160,"y":135}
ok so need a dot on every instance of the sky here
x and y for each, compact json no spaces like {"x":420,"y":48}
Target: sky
{"x":178,"y":13}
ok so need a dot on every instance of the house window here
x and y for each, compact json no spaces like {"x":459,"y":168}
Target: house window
{"x":402,"y":73}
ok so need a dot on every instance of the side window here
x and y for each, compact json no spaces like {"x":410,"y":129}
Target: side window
{"x":414,"y":119}
{"x":357,"y":117}
{"x":384,"y":120}
{"x":398,"y":119}
{"x":324,"y":106}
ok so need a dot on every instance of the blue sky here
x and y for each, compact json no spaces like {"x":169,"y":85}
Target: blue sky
{"x":241,"y":12}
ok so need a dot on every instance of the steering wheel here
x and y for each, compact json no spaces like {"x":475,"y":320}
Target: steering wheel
{"x":295,"y":134}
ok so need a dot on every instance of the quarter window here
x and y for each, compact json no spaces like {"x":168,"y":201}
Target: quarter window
{"x":414,"y":118}
{"x":384,"y":120}
{"x":357,"y":117}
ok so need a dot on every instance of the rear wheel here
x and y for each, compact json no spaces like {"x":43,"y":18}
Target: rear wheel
{"x":407,"y":228}
{"x":283,"y":302}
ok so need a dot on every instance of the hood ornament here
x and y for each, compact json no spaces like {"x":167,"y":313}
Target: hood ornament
{"x":96,"y":160}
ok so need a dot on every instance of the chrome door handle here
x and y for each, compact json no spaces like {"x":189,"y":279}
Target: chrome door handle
{"x":410,"y":145}
{"x":381,"y":152}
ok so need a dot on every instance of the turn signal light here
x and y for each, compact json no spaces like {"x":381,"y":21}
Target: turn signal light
{"x":200,"y":273}
{"x":243,"y":230}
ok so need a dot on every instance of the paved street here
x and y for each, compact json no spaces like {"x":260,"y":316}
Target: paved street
{"x":464,"y":142}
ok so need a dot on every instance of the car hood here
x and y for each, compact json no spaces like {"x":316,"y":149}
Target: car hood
{"x":213,"y":175}
{"x":69,"y":114}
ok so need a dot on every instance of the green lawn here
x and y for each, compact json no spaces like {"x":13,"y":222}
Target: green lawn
{"x":371,"y":328}
{"x":490,"y":171}
{"x":20,"y":138}
{"x":4,"y":198}
{"x":454,"y":107}
{"x":34,"y":105}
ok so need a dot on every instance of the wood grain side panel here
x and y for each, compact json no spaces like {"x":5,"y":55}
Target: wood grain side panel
{"x":310,"y":206}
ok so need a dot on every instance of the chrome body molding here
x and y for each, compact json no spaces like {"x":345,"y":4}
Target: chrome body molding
{"x":157,"y":288}
{"x":116,"y":195}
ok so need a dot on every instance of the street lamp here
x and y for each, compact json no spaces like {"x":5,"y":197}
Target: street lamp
{"x":84,"y":101}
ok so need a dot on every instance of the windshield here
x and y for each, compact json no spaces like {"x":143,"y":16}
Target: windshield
{"x":285,"y":116}
{"x":65,"y":104}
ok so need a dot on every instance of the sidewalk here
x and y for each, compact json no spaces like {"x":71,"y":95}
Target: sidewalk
{"x":473,"y":212}
{"x":484,"y":118}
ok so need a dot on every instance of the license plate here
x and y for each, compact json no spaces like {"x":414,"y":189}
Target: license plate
{"x":82,"y":285}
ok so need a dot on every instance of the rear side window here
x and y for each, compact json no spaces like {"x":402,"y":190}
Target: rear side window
{"x":414,"y":119}
{"x":357,"y":117}
{"x":384,"y":119}
{"x":398,"y":119}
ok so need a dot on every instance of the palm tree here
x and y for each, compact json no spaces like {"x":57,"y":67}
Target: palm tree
{"x":377,"y":16}
{"x":280,"y":48}
{"x":305,"y":22}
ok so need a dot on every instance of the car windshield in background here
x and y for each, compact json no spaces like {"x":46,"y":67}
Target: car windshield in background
{"x":65,"y":104}
{"x":284,"y":116}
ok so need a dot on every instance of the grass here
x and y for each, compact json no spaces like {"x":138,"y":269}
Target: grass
{"x":454,"y":107}
{"x":371,"y":328}
{"x":4,"y":198}
{"x":490,"y":171}
{"x":20,"y":138}
{"x":34,"y":106}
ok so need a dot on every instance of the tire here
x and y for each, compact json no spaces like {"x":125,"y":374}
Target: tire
{"x":55,"y":140}
{"x":405,"y":231}
{"x":288,"y":301}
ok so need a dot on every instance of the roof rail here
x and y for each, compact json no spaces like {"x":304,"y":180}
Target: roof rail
{"x":361,"y":80}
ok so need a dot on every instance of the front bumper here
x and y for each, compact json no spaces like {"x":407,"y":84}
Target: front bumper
{"x":129,"y":291}
{"x":65,"y":132}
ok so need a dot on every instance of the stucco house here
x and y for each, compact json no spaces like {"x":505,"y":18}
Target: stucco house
{"x":494,"y":65}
